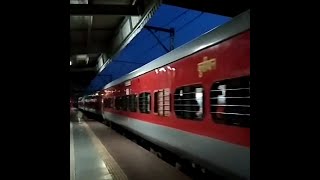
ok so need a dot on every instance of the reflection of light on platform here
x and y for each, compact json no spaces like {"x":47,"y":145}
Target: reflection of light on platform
{"x":107,"y":177}
{"x":102,"y":164}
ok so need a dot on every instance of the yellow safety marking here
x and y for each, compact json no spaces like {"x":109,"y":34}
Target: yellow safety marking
{"x":111,"y":164}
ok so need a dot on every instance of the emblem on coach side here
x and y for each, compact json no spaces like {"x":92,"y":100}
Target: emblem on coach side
{"x":206,"y":65}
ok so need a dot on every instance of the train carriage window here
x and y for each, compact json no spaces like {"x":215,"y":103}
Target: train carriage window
{"x":124,"y":103}
{"x":107,"y":102}
{"x":133,"y":103}
{"x":118,"y":103}
{"x":230,"y":101}
{"x":127,"y":103}
{"x":155,"y":105}
{"x":188,"y":102}
{"x":112,"y":102}
{"x":144,"y":102}
{"x":162,"y":102}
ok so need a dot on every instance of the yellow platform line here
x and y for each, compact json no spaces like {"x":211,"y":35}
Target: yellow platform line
{"x":72,"y":164}
{"x":111,"y":164}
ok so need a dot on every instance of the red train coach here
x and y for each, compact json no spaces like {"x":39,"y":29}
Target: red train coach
{"x":91,"y":103}
{"x":193,"y":101}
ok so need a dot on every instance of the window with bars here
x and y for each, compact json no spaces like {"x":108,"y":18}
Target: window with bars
{"x":188,"y":102}
{"x":162,"y":102}
{"x":133,"y":102}
{"x":230,"y":101}
{"x":144,"y":102}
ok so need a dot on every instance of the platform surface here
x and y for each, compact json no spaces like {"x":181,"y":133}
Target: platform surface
{"x":97,"y":152}
{"x":85,"y":160}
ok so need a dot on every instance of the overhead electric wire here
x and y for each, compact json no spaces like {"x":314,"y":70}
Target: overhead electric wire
{"x":164,"y":39}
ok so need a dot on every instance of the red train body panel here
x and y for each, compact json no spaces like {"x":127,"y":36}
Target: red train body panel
{"x":231,"y":60}
{"x":223,"y":61}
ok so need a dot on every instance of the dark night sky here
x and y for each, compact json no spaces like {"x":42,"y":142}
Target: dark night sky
{"x":188,"y":24}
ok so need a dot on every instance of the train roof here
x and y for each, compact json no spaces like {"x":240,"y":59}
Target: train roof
{"x":237,"y":25}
